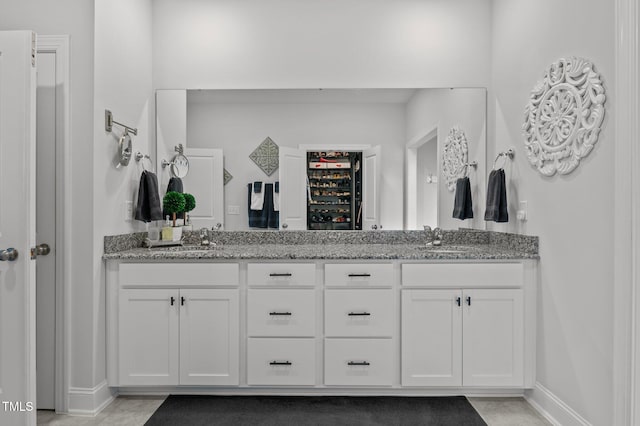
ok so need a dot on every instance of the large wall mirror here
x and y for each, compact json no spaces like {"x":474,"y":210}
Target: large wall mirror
{"x":393,"y":141}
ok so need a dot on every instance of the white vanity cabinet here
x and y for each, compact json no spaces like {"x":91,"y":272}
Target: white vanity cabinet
{"x":281,"y":324}
{"x":162,"y":332}
{"x":388,"y":326}
{"x":359,"y":324}
{"x":469,"y":336}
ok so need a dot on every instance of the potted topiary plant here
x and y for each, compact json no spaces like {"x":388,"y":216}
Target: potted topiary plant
{"x":189,"y":204}
{"x":173,"y":203}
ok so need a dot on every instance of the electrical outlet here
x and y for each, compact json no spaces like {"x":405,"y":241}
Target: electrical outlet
{"x":128,"y":211}
{"x":233,"y":209}
{"x":522,"y":212}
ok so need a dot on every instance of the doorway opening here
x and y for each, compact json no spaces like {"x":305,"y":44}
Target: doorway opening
{"x":52,"y":221}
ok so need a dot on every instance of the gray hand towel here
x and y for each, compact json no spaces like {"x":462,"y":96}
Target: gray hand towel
{"x":496,"y":197}
{"x":175,"y":184}
{"x":148,"y":207}
{"x":462,"y":205}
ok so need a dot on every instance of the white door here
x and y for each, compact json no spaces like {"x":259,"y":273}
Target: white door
{"x":293,"y":189}
{"x":371,"y":188}
{"x":431,"y":338}
{"x":148,"y":332}
{"x":493,"y":332}
{"x":209,"y":337}
{"x":205,"y":181}
{"x":17,"y":228}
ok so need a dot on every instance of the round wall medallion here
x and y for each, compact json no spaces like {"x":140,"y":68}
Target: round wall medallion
{"x":564,"y":116}
{"x":454,"y":156}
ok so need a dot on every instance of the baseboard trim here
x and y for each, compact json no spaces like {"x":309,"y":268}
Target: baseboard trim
{"x":89,"y":401}
{"x":552,"y":408}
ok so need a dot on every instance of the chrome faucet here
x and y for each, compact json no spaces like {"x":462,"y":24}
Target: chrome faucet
{"x":434,"y":237}
{"x":204,"y":237}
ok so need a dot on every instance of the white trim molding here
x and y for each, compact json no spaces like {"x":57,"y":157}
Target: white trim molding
{"x":60,"y":45}
{"x":90,"y":401}
{"x":553,"y":408}
{"x":626,"y":380}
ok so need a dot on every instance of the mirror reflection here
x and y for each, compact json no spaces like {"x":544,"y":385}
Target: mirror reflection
{"x":386,"y":144}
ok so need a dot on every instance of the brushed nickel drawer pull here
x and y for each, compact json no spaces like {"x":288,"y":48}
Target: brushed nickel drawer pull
{"x":280,"y":363}
{"x":365,"y":363}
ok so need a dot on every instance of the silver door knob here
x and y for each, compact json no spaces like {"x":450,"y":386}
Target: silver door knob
{"x":40,"y":250}
{"x":9,"y":255}
{"x":374,"y":227}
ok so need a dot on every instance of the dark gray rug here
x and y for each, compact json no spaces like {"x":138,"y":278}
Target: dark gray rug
{"x":314,"y":410}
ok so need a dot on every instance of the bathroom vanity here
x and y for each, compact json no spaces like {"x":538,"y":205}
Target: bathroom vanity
{"x":326,"y":318}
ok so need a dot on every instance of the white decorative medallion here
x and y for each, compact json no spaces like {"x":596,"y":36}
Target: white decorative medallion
{"x":454,"y":156}
{"x":564,"y":116}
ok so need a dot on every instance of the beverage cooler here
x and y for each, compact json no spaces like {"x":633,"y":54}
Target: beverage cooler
{"x":335,"y":190}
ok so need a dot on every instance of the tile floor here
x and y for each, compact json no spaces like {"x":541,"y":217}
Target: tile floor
{"x":135,"y":411}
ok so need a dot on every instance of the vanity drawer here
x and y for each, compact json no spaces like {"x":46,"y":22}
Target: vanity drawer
{"x":178,"y":274}
{"x":292,"y":274}
{"x":281,"y":362}
{"x":463,"y":275}
{"x":281,"y":313}
{"x":358,"y":274}
{"x":358,"y":362}
{"x":359,"y":313}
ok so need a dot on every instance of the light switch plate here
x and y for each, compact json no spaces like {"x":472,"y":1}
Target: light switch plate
{"x":522,"y":212}
{"x":233,"y":210}
{"x":128,"y":211}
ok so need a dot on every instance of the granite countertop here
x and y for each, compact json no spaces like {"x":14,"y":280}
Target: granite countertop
{"x":325,"y":251}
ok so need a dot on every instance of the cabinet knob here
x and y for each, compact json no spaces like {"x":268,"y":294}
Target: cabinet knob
{"x":285,"y":226}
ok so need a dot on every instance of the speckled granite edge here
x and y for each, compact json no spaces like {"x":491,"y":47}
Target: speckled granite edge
{"x":515,"y":242}
{"x":116,"y":243}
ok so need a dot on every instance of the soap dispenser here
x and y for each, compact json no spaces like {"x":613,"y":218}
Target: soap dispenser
{"x":167,"y":230}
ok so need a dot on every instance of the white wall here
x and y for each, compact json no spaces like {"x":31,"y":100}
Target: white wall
{"x":571,"y":214}
{"x":443,"y":109}
{"x":123,"y":85}
{"x":311,"y":43}
{"x":75,"y":18}
{"x":238,"y":128}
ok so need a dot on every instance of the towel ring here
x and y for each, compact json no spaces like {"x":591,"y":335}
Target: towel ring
{"x":141,"y":157}
{"x":508,"y":153}
{"x":466,"y":166}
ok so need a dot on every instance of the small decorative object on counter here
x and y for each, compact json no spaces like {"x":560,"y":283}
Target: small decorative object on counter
{"x":190,"y":204}
{"x":173,"y":203}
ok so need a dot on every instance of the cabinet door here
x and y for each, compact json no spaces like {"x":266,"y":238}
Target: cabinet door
{"x":493,"y":338}
{"x":209,"y":337}
{"x":431,"y":338}
{"x":148,"y":330}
